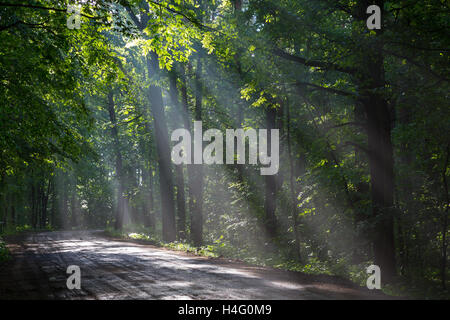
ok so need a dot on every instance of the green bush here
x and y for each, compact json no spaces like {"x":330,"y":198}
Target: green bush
{"x":4,"y":253}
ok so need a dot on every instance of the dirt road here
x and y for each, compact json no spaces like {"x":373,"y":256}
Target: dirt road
{"x":114,"y":269}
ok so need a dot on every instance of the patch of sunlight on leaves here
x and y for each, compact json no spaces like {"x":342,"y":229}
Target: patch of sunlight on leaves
{"x":206,"y":251}
{"x":138,"y":236}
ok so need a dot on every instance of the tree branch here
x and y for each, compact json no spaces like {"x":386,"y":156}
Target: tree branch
{"x":32,"y":6}
{"x":332,"y":90}
{"x":411,"y":61}
{"x":31,"y":25}
{"x":418,"y":47}
{"x":193,"y":20}
{"x":135,"y":19}
{"x":313,"y":63}
{"x":351,"y":123}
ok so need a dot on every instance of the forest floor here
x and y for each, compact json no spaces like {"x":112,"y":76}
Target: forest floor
{"x":118,"y":269}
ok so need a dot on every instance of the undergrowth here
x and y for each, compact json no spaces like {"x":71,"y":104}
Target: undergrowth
{"x":4,"y":253}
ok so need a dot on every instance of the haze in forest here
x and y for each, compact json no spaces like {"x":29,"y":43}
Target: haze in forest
{"x":89,"y":119}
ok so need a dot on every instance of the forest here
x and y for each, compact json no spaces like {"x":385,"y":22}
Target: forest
{"x":92,"y":91}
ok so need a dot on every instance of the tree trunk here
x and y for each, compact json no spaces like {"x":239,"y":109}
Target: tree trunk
{"x":196,"y":178}
{"x":181,"y":202}
{"x":163,"y":149}
{"x":371,"y":79}
{"x":293,"y":191}
{"x":13,"y":209}
{"x":54,"y":211}
{"x":5,"y":211}
{"x":151,"y":201}
{"x":120,"y":211}
{"x":187,"y":118}
{"x":148,"y":215}
{"x":270,"y":182}
{"x":179,"y":175}
{"x":381,"y":165}
{"x":445,"y":220}
{"x":33,"y":204}
{"x":73,"y":208}
{"x":406,"y":158}
{"x":45,"y":196}
{"x":64,"y":203}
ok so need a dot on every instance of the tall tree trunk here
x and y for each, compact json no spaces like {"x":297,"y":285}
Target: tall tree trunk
{"x":240,"y":110}
{"x":161,"y":134}
{"x":13,"y":209}
{"x":54,"y":210}
{"x":270,"y":181}
{"x":45,"y":195}
{"x":196,"y":179}
{"x":64,"y":210}
{"x":147,"y":178}
{"x":73,"y":207}
{"x":133,"y":181}
{"x":293,"y":191}
{"x":5,"y":211}
{"x":151,"y":204}
{"x":445,"y":219}
{"x":406,"y":158}
{"x":163,"y":149}
{"x":187,"y":118}
{"x":381,"y":165}
{"x":120,"y":211}
{"x":148,"y":214}
{"x":371,"y":78}
{"x":179,"y":175}
{"x":181,"y":202}
{"x":362,"y":187}
{"x":33,"y":203}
